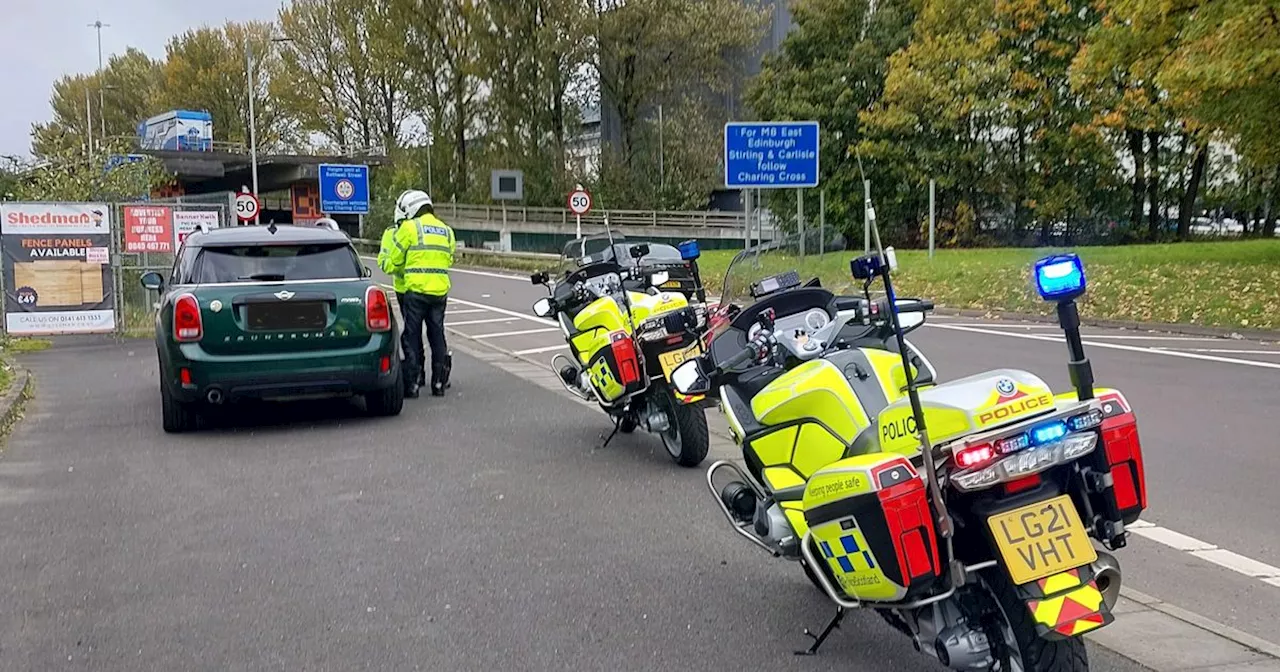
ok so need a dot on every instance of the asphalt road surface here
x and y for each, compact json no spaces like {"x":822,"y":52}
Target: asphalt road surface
{"x":1206,"y":414}
{"x":478,"y":531}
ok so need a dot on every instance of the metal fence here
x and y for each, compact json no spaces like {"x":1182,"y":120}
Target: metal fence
{"x":135,"y":305}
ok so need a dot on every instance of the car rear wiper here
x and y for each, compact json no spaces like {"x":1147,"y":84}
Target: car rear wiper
{"x":266,"y":277}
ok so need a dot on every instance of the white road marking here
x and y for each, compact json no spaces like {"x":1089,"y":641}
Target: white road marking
{"x":504,"y":311}
{"x":521,"y":332}
{"x":503,"y":276}
{"x":549,"y":348}
{"x":1117,"y":337}
{"x":1172,"y":539}
{"x":1001,"y":325}
{"x":1226,"y":352}
{"x":461,"y":311}
{"x":490,"y":320}
{"x":1238,"y":563}
{"x":1112,"y":346}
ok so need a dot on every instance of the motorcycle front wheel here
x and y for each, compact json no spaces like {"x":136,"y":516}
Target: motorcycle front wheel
{"x":687,"y":438}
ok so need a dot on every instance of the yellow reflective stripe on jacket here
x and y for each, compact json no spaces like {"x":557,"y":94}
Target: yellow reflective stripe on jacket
{"x":424,"y":253}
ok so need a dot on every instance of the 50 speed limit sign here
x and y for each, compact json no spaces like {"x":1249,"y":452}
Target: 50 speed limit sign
{"x":580,"y":202}
{"x":247,"y":207}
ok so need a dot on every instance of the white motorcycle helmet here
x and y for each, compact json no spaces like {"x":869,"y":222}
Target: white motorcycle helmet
{"x":410,"y":202}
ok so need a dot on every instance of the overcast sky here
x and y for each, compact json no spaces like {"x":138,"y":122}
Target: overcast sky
{"x":41,"y":40}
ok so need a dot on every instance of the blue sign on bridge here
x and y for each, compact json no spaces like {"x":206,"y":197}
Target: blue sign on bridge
{"x":771,"y":155}
{"x":344,"y":188}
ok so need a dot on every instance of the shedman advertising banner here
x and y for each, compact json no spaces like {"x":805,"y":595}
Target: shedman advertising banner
{"x":57,"y":271}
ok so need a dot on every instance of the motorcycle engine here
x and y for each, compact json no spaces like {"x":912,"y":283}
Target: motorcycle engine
{"x":943,"y":631}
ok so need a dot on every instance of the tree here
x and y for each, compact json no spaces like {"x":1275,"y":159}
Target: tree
{"x":830,"y":68}
{"x":343,"y":74}
{"x":650,"y":49}
{"x":72,"y":175}
{"x":205,"y":69}
{"x":130,"y":84}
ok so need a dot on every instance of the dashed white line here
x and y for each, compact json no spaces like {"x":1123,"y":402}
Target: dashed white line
{"x":461,"y":311}
{"x":534,"y":351}
{"x":1175,"y":540}
{"x":504,"y":311}
{"x":490,"y":320}
{"x":520,"y":332}
{"x":1225,"y":351}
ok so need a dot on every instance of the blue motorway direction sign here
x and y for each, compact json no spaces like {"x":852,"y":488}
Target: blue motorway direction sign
{"x":344,"y":188}
{"x":771,"y":155}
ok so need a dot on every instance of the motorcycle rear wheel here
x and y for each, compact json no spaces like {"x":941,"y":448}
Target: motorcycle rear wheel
{"x":1028,"y":652}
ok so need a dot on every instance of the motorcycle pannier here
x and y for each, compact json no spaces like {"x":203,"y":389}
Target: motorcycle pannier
{"x":870,"y":520}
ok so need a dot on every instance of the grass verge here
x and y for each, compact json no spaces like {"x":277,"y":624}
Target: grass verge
{"x":1232,"y":284}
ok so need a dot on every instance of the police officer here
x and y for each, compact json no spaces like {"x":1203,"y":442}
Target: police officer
{"x":422,"y":250}
{"x":397,"y":280}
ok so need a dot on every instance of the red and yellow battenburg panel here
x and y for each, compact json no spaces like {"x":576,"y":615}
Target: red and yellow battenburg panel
{"x":1071,"y":606}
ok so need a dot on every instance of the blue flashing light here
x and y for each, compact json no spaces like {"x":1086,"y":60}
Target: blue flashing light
{"x":689,"y":250}
{"x":1060,"y":278}
{"x":1048,"y":433}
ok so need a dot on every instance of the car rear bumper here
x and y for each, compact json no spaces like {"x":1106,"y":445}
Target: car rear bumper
{"x":220,"y":379}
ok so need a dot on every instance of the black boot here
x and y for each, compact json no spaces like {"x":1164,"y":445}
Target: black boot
{"x":411,"y":392}
{"x":437,"y":380}
{"x":448,"y":369}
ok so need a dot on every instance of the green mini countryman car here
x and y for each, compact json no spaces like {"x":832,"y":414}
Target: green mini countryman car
{"x":272,"y":313}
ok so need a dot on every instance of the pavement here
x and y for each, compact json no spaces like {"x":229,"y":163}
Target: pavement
{"x":488,"y":529}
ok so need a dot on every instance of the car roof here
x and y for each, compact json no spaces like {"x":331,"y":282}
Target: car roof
{"x":283,"y":234}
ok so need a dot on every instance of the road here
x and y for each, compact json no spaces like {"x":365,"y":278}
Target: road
{"x":1206,"y":413}
{"x":485,"y":529}
{"x":478,"y":531}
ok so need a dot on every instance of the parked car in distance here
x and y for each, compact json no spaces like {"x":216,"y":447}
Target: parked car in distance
{"x":274,"y":312}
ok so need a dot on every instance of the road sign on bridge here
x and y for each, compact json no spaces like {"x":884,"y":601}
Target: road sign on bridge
{"x":771,"y":155}
{"x":344,"y":188}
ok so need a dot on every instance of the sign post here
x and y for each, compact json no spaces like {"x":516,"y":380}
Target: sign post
{"x":247,"y":207}
{"x":579,"y":205}
{"x":771,"y":155}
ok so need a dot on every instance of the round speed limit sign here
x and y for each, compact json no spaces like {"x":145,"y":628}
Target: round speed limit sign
{"x":580,"y":202}
{"x":247,"y":207}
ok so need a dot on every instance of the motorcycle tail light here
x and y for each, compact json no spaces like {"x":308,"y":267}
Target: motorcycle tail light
{"x":624,"y":353}
{"x":974,"y":456}
{"x":1124,"y":455}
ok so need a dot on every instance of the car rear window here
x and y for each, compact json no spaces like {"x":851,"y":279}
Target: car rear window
{"x":247,"y":263}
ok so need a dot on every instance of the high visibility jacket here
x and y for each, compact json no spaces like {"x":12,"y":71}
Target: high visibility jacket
{"x":384,"y":258}
{"x":423,"y":251}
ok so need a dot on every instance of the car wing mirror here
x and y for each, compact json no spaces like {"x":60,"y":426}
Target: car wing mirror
{"x":152,"y":280}
{"x":691,"y":378}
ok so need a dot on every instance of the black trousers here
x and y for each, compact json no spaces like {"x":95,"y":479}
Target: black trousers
{"x":421,"y":310}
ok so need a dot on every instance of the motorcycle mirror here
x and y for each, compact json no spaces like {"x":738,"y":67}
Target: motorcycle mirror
{"x":539,"y":278}
{"x":688,"y":378}
{"x":639,"y":250}
{"x":910,"y":321}
{"x":542,"y":307}
{"x":660,"y":277}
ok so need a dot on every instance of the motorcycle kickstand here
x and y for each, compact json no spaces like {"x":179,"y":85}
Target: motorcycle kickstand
{"x":819,"y":639}
{"x":617,"y":423}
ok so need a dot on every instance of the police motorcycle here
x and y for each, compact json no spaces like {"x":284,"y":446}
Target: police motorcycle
{"x":975,"y":516}
{"x":626,"y":337}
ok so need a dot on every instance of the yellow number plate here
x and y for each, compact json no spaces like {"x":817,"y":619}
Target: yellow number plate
{"x":670,"y":360}
{"x":671,"y":283}
{"x":1042,"y":539}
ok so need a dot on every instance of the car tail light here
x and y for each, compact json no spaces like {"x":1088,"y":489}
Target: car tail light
{"x":184,"y":375}
{"x":624,"y":353}
{"x":974,"y":456}
{"x":187,"y":323}
{"x":377,"y":312}
{"x":384,"y":364}
{"x":1124,"y":454}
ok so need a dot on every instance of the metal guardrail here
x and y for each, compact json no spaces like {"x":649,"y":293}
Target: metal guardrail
{"x":561,"y":216}
{"x":476,"y":251}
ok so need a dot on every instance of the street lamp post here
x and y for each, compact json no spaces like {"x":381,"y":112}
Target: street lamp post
{"x":250,"y":89}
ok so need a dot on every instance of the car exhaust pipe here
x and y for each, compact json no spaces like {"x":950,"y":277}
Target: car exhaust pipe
{"x":214,"y":396}
{"x":1108,"y":576}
